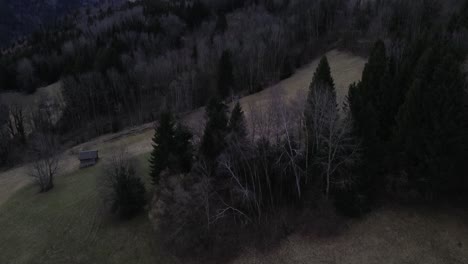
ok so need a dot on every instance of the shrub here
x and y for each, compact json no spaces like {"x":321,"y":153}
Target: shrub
{"x":123,"y":192}
{"x":46,"y":163}
{"x":193,"y":223}
{"x":178,"y":212}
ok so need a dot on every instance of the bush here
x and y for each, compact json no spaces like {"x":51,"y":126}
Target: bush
{"x":178,"y":212}
{"x":196,"y":225}
{"x":123,"y":192}
{"x":351,"y":203}
{"x":46,"y":163}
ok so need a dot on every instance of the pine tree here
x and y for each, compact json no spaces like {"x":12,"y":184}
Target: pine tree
{"x":373,"y":73}
{"x":321,"y":108}
{"x":367,"y":106}
{"x":237,"y":123}
{"x":322,"y":77}
{"x":366,"y":98}
{"x":213,"y":141}
{"x":183,"y":149}
{"x":225,"y":75}
{"x":322,"y":84}
{"x":163,"y":143}
{"x":430,"y":124}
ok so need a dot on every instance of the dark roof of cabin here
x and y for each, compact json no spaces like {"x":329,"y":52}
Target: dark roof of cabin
{"x":90,"y":154}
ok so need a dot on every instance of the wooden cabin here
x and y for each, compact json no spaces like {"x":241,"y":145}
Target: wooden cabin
{"x":88,"y":158}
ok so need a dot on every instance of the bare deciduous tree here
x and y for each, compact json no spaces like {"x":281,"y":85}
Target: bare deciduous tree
{"x":46,"y":166}
{"x":16,"y":122}
{"x":121,"y":189}
{"x":332,"y":145}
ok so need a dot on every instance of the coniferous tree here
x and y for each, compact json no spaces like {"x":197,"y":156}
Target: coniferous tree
{"x":430,"y":128}
{"x":163,"y":143}
{"x":183,"y":149}
{"x":237,"y":123}
{"x":214,"y":141}
{"x":225,"y":75}
{"x":373,"y":73}
{"x":365,"y":98}
{"x":322,"y":84}
{"x":366,"y":104}
{"x":391,"y":100}
{"x":322,"y":77}
{"x":321,"y":105}
{"x":172,"y":148}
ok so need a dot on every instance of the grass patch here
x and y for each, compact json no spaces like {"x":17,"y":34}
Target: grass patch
{"x":66,"y":225}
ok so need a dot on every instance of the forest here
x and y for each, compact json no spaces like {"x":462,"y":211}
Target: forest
{"x":401,"y":136}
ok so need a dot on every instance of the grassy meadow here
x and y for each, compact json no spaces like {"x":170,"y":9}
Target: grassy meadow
{"x":67,"y":225}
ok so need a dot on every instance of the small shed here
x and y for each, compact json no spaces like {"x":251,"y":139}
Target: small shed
{"x":88,"y":158}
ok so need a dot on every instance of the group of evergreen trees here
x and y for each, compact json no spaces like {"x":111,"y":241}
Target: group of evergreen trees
{"x":410,"y":115}
{"x":237,"y":181}
{"x":172,"y":143}
{"x":172,"y":149}
{"x":402,"y":130}
{"x":333,"y":152}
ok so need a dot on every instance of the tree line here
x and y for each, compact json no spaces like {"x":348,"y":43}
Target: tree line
{"x":128,"y":64}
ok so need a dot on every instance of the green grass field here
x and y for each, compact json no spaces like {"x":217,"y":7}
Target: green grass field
{"x":66,"y":225}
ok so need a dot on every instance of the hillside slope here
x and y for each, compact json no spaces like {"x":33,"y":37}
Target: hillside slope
{"x":66,"y":226}
{"x":345,"y":67}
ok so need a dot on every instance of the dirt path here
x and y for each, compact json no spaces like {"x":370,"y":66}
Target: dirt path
{"x":345,"y":67}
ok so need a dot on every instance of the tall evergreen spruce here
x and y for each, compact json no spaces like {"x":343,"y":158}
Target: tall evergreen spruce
{"x":163,"y":141}
{"x":214,"y":141}
{"x":237,"y":123}
{"x":321,"y":95}
{"x":368,"y":106}
{"x":322,"y":80}
{"x":366,"y":99}
{"x":430,"y":124}
{"x":322,"y":77}
{"x":183,"y":150}
{"x":172,"y":148}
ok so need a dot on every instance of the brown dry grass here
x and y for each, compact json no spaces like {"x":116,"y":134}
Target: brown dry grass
{"x":345,"y":67}
{"x":390,"y":236}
